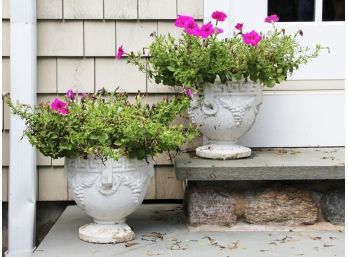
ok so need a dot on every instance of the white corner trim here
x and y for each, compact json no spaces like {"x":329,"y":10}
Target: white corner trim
{"x":22,"y":169}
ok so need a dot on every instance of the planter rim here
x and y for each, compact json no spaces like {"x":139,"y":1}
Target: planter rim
{"x":96,"y":165}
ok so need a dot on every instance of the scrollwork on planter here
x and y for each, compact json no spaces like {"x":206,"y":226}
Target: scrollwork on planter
{"x":84,"y":173}
{"x":78,"y":186}
{"x":135,"y":183}
{"x":223,"y":114}
{"x":109,"y":190}
{"x":238,"y":110}
{"x":210,"y":106}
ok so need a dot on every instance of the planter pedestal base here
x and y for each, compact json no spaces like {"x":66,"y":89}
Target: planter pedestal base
{"x":106,"y":233}
{"x":223,"y":151}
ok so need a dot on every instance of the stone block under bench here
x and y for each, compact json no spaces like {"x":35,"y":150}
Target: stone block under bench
{"x":261,"y":189}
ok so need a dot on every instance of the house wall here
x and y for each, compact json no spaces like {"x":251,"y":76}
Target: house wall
{"x":77,"y":40}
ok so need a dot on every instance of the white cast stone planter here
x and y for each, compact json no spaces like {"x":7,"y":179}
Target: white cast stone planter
{"x":223,"y":115}
{"x":108,"y":191}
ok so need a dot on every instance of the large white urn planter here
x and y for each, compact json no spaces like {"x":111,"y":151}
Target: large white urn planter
{"x":223,"y":114}
{"x":108,"y":191}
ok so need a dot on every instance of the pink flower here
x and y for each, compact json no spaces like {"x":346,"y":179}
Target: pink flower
{"x":252,"y":38}
{"x":207,"y":30}
{"x":192,"y":28}
{"x":60,"y":106}
{"x":218,"y":30}
{"x":64,"y":111}
{"x":272,"y":18}
{"x":219,"y":16}
{"x":188,"y":92}
{"x":239,"y":26}
{"x":120,"y":52}
{"x":70,"y":95}
{"x":181,"y":20}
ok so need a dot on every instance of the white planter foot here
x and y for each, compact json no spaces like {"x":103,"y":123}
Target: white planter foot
{"x":223,"y":152}
{"x":106,"y":233}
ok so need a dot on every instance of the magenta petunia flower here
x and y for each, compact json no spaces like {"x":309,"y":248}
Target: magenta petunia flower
{"x":192,"y":28}
{"x":120,"y":52}
{"x":188,"y":92}
{"x":239,"y":26}
{"x":207,"y":30}
{"x":64,"y":111}
{"x":219,"y":16}
{"x":70,"y":95}
{"x":181,"y":20}
{"x":218,"y":30}
{"x":252,"y":38}
{"x":272,"y":18}
{"x":60,"y":106}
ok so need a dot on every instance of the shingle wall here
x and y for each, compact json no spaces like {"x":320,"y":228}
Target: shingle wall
{"x":77,"y":40}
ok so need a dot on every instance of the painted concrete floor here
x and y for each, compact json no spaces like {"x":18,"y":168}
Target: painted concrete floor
{"x":161,"y":231}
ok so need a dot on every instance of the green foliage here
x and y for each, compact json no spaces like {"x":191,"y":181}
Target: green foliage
{"x":107,"y":125}
{"x":191,"y":61}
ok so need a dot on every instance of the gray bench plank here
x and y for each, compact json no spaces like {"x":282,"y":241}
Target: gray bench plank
{"x":266,"y":164}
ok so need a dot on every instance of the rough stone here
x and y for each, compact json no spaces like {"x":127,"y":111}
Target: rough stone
{"x":317,"y":197}
{"x":333,"y":206}
{"x":281,"y":205}
{"x":210,"y":206}
{"x":240,"y":204}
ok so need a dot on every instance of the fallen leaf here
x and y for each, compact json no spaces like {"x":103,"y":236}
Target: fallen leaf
{"x":327,"y":245}
{"x":177,"y":245}
{"x":213,"y":242}
{"x":130,"y":244}
{"x":328,"y":157}
{"x":284,"y":239}
{"x":315,"y":237}
{"x":152,"y":236}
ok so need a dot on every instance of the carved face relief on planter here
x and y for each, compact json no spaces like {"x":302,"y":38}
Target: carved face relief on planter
{"x":223,"y":115}
{"x":108,"y":191}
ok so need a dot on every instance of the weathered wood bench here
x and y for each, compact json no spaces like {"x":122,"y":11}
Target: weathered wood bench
{"x":273,"y":185}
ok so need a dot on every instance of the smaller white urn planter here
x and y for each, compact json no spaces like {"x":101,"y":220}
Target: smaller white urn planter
{"x":223,"y":115}
{"x":108,"y":191}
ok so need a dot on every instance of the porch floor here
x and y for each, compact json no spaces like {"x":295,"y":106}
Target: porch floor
{"x":161,"y":231}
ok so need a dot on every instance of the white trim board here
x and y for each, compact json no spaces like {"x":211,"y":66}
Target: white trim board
{"x":298,"y":119}
{"x":306,"y":85}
